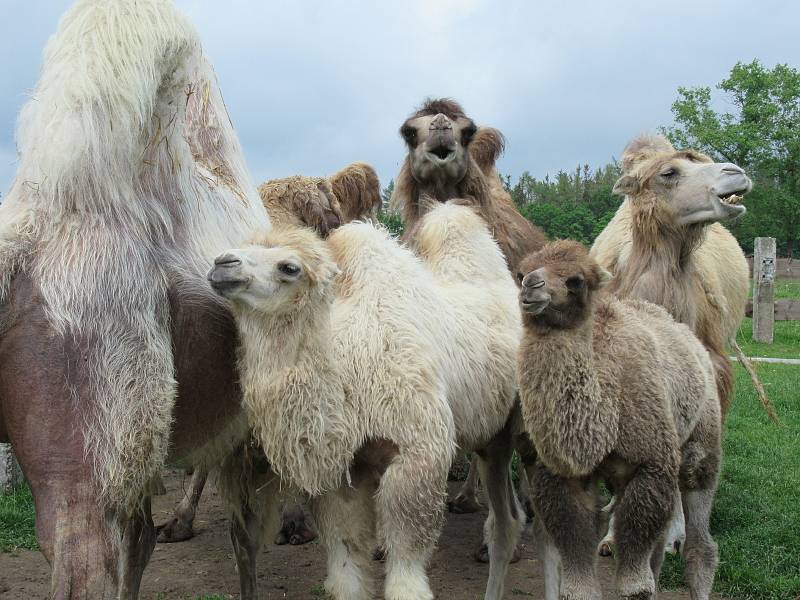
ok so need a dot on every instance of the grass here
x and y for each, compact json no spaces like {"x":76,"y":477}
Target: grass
{"x":17,"y":521}
{"x":785,"y":344}
{"x":786,"y":338}
{"x":787,"y":288}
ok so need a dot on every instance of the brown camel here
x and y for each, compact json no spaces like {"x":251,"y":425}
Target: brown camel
{"x":450,"y":158}
{"x":323,"y":204}
{"x":616,"y":391}
{"x":115,"y":355}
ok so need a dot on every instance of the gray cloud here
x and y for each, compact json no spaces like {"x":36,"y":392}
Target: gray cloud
{"x":313,"y":85}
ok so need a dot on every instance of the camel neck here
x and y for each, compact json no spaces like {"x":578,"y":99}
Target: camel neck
{"x":562,"y":400}
{"x":661,"y":267}
{"x":271,"y":343}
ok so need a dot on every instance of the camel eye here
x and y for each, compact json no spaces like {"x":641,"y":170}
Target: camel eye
{"x":670,"y":172}
{"x":468,"y":134}
{"x":289,"y":269}
{"x":409,"y":134}
{"x":575,"y":282}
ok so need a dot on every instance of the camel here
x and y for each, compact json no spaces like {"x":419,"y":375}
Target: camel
{"x":322,"y":203}
{"x":115,"y":356}
{"x":450,"y":158}
{"x":374,"y":377}
{"x":666,"y":245}
{"x":614,"y":390}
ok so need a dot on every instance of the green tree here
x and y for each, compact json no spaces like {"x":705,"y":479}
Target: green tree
{"x":761,"y":134}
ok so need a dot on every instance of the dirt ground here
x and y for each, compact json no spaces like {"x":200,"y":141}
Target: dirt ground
{"x":204,"y":565}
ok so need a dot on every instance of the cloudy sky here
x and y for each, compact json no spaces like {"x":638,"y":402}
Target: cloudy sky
{"x":313,"y":85}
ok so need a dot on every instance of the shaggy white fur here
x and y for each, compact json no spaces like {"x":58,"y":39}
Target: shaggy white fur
{"x":416,"y":351}
{"x":130,"y":177}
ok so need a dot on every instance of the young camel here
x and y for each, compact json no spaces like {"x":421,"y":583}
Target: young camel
{"x":372,"y":375}
{"x":617,"y":391}
{"x":614,"y":390}
{"x":323,"y":204}
{"x":450,"y":158}
{"x":679,"y":256}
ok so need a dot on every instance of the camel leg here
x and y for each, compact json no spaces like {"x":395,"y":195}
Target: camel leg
{"x":410,"y":506}
{"x":699,"y":475}
{"x":551,"y":561}
{"x":606,"y":547}
{"x":180,"y":527}
{"x":642,"y":516}
{"x":346,"y":522}
{"x":138,"y":543}
{"x":466,"y":501}
{"x":571,"y":526}
{"x":252,"y":490}
{"x":506,"y":517}
{"x":676,"y":535}
{"x":657,"y":558}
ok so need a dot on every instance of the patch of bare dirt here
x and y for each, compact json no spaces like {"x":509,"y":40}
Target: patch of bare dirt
{"x":204,"y":566}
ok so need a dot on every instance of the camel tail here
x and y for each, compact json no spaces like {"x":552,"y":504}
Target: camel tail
{"x":760,"y":391}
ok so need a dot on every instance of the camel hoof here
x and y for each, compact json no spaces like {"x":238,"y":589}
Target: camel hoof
{"x":604,"y":549}
{"x":173,"y":531}
{"x":482,"y":554}
{"x":461,"y":505}
{"x":379,"y":554}
{"x":295,"y":534}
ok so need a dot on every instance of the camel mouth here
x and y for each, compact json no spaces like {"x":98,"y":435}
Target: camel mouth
{"x":534,"y":307}
{"x":732,"y":198}
{"x":441,"y":153}
{"x":224,"y":283}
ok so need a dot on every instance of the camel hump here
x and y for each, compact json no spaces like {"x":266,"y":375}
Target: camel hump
{"x":100,"y":111}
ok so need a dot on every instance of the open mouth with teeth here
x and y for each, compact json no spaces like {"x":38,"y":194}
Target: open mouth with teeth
{"x":731,"y":199}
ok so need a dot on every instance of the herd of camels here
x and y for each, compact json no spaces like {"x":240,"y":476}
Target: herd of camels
{"x":157,"y":309}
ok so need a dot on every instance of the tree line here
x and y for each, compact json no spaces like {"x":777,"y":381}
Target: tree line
{"x":759,"y":130}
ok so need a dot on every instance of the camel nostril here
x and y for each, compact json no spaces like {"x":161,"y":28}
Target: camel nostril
{"x":732,"y":169}
{"x":227,"y":260}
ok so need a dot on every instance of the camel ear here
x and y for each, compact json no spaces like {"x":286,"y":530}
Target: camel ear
{"x":627,"y":185}
{"x":603,"y":277}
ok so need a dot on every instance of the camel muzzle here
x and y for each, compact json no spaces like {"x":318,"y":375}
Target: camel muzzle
{"x":225,"y":275}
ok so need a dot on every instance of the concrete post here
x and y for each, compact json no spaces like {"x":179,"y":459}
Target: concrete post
{"x":764,"y":290}
{"x":10,"y":473}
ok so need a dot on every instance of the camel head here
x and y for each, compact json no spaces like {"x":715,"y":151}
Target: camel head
{"x":686,"y":185}
{"x":557,"y":284}
{"x":278,"y":273}
{"x":437,"y":136}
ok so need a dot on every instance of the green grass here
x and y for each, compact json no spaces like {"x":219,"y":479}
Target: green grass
{"x":785,"y":342}
{"x":784,"y":289}
{"x":756,"y":519}
{"x":787,"y":288}
{"x":17,"y":521}
{"x":786,"y":338}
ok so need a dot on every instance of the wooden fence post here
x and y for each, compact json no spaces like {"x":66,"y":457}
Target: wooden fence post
{"x":763,"y":289}
{"x":10,"y":474}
